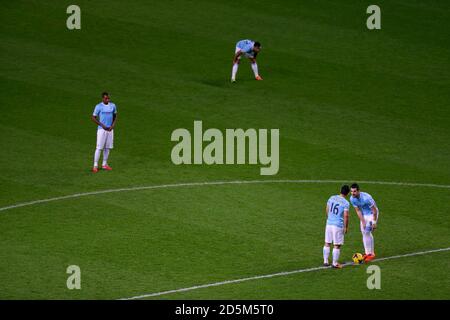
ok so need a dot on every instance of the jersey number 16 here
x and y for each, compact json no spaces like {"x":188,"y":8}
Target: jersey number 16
{"x":334,"y":208}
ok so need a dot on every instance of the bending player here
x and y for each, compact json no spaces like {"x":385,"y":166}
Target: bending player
{"x":250,"y":50}
{"x":368,"y":213}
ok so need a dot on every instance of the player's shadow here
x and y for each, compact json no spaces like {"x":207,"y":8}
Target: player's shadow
{"x":223,"y":83}
{"x":218,"y":83}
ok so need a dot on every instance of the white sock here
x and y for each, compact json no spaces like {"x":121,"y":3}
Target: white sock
{"x":97,"y":157}
{"x":336,"y":253}
{"x":105,"y":156}
{"x":368,"y":242}
{"x":255,"y":69}
{"x":326,"y":253}
{"x":373,"y":243}
{"x":234,"y":71}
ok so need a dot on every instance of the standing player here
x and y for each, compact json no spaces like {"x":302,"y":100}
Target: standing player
{"x":337,"y":225}
{"x":250,"y":50}
{"x":367,"y":212}
{"x":105,"y":116}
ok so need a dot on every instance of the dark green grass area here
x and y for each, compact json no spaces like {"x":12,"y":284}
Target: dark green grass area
{"x":138,"y":242}
{"x":351,"y":104}
{"x":409,"y":278}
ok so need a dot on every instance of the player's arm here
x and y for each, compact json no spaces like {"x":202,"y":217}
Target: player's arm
{"x":345,"y":221}
{"x":375,"y":216}
{"x":236,"y":56}
{"x":327,"y":209}
{"x":374,"y":210}
{"x":253,"y":59}
{"x":94,"y":118}
{"x":114,"y":121}
{"x":360,"y":216}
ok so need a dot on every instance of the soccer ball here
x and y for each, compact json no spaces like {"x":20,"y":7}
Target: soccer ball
{"x":358,"y":258}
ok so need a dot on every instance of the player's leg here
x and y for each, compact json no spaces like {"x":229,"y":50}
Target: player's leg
{"x":101,"y":138}
{"x":108,"y":146}
{"x":373,"y":239}
{"x":326,"y":254}
{"x":326,"y":247}
{"x":338,"y":241}
{"x":96,"y":158}
{"x":336,"y":254}
{"x":235,"y":68}
{"x":368,"y":240}
{"x":255,"y":68}
{"x":105,"y":158}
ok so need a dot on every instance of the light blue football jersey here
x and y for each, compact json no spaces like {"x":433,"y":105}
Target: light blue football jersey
{"x":105,"y":113}
{"x":245,"y":46}
{"x":364,"y":202}
{"x":337,"y":205}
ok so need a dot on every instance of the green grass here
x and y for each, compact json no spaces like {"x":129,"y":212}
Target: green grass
{"x":351,"y":104}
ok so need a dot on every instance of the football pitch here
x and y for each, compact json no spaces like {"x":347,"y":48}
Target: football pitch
{"x":351,"y":105}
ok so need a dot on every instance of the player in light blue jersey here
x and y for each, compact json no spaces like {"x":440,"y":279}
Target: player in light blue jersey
{"x":105,"y":116}
{"x":368,"y":213}
{"x":337,"y":225}
{"x":250,"y":50}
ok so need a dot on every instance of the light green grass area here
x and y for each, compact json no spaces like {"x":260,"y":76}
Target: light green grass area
{"x":351,"y":105}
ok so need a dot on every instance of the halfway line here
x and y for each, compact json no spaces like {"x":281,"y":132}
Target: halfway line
{"x":193,"y":184}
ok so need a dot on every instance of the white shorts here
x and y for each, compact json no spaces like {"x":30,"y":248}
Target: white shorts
{"x":334,"y":234}
{"x":247,"y":55}
{"x":368,"y":219}
{"x":105,"y":139}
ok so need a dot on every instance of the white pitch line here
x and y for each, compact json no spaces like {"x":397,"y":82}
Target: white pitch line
{"x":193,"y":184}
{"x":279,"y":274}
